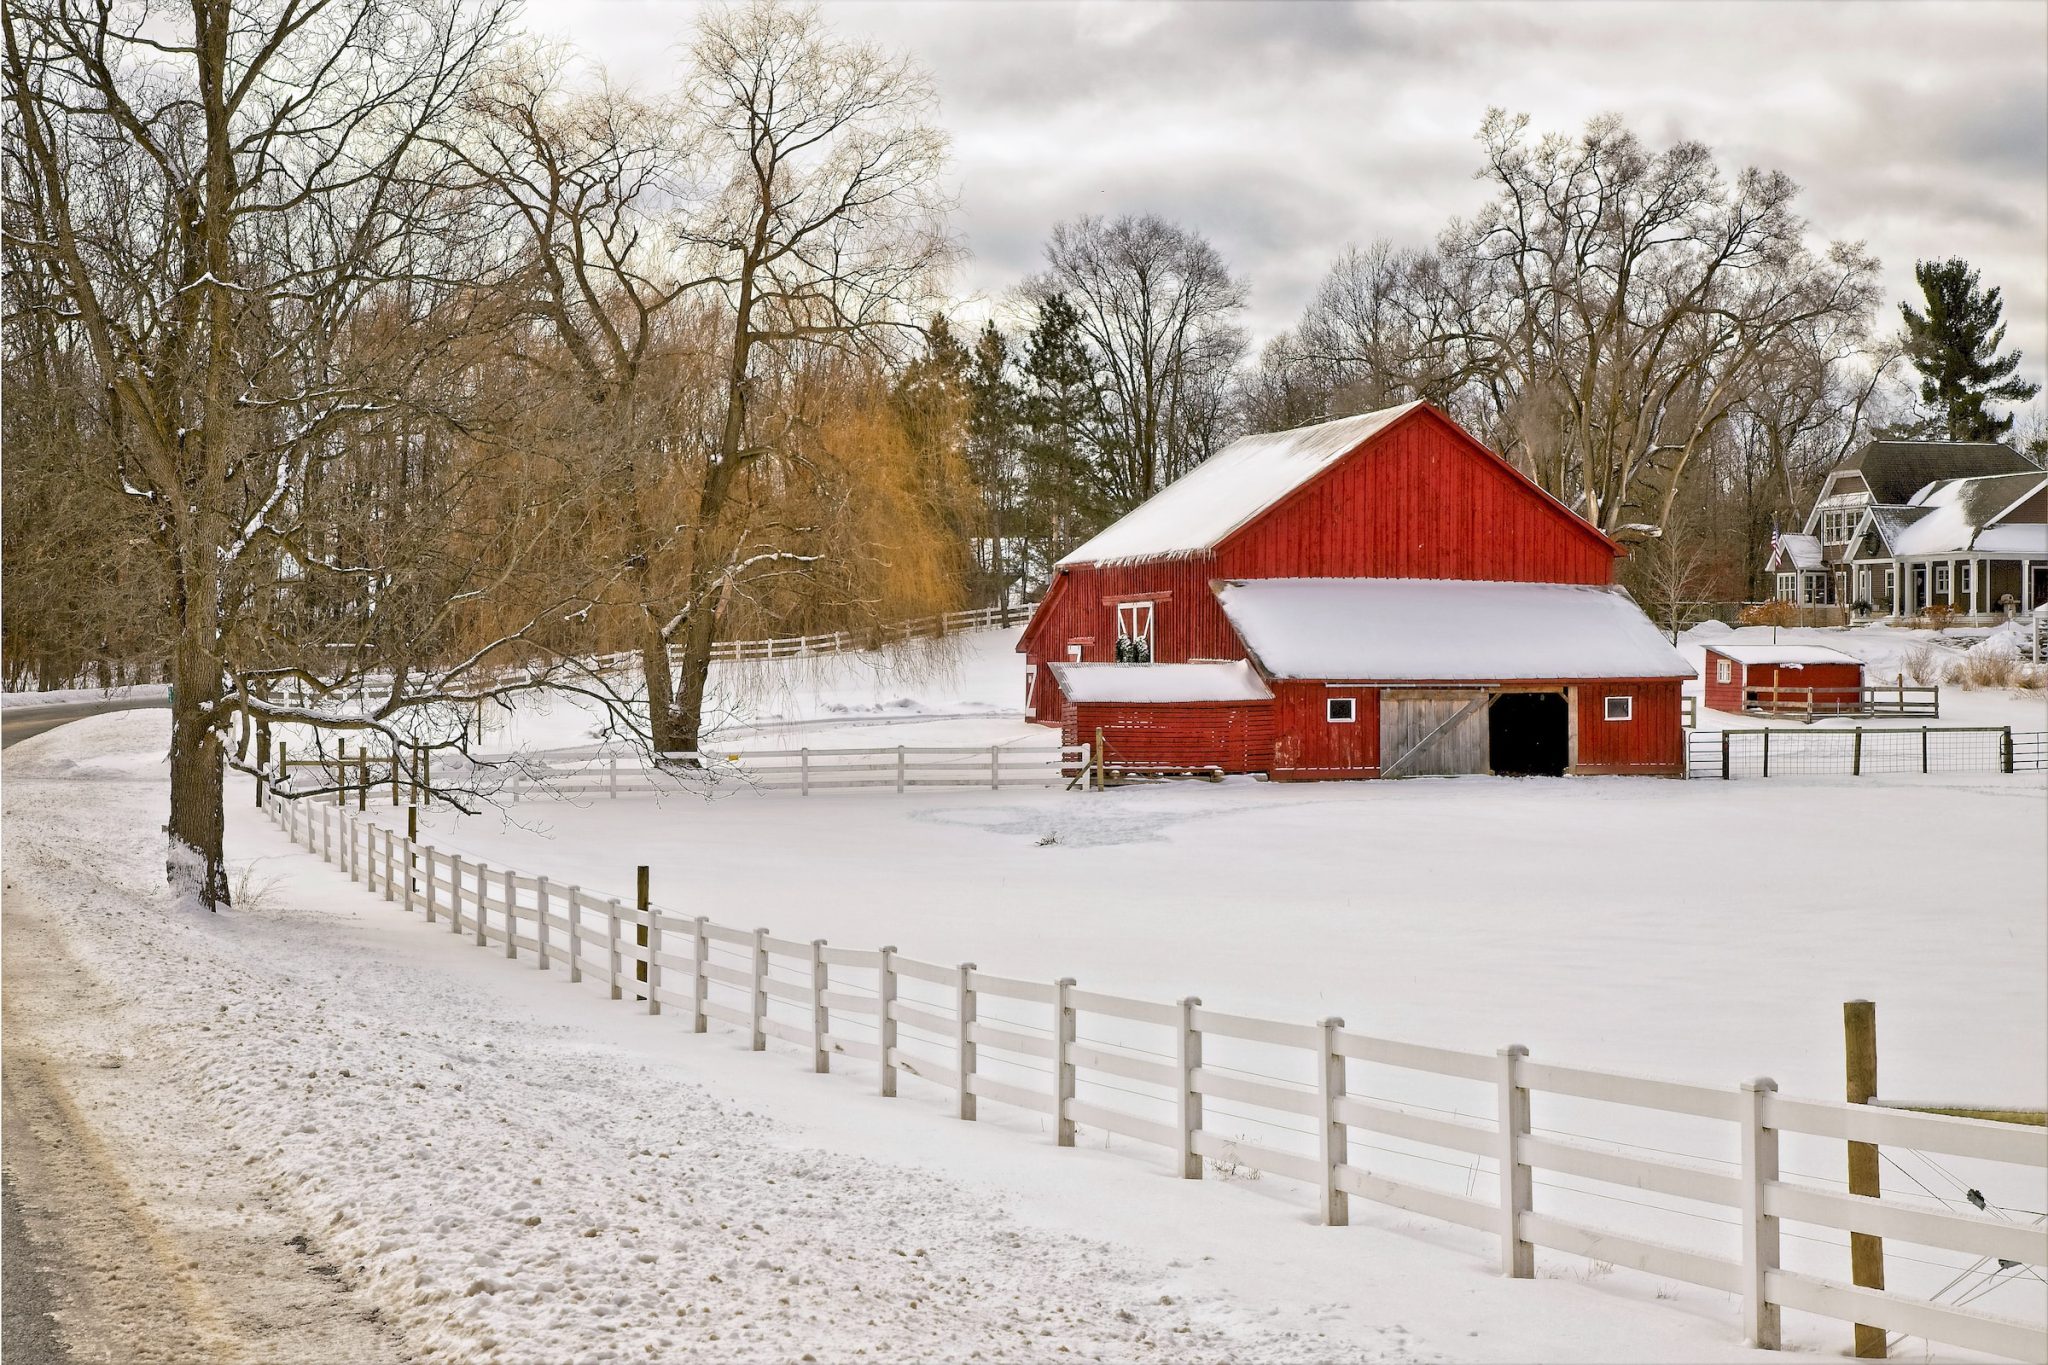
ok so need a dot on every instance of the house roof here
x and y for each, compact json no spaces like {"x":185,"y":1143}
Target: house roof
{"x":1895,"y":470}
{"x":1233,"y":681}
{"x":1794,"y":655}
{"x":1199,"y":509}
{"x":1801,"y":552}
{"x":1954,"y":512}
{"x":1433,"y":630}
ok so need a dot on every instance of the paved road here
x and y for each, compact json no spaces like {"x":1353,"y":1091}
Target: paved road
{"x":28,"y":1332}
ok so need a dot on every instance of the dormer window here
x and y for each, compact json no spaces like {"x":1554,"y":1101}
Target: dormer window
{"x":1134,"y":632}
{"x":1838,"y":524}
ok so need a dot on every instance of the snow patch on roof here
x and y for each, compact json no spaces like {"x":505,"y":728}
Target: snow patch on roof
{"x":1794,"y":655}
{"x":1234,"y":681}
{"x":1196,"y":511}
{"x":1429,"y":630}
{"x":2023,"y":539}
{"x":1801,"y":552}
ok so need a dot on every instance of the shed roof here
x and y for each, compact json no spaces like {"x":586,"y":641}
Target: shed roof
{"x":1233,"y":681}
{"x":1432,"y":630}
{"x":1783,"y":654}
{"x":1799,"y":551}
{"x":1199,"y":509}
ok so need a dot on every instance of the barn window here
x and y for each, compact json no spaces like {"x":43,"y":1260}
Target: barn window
{"x":1722,"y":673}
{"x":1030,"y":686}
{"x":1621,"y":708}
{"x":1073,"y":654}
{"x":1341,"y":710}
{"x":1134,"y":632}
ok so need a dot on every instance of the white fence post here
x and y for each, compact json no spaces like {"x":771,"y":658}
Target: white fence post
{"x":390,"y":860}
{"x":995,"y":768}
{"x":1334,"y":1138}
{"x":653,"y":967}
{"x":1517,"y":1257}
{"x":700,"y":984}
{"x":511,"y":916}
{"x":575,"y":934}
{"x":758,"y":1007}
{"x":483,"y":896}
{"x":614,"y":780}
{"x":454,"y":889}
{"x":611,"y":941}
{"x":326,"y":834}
{"x":886,"y":1014}
{"x":411,"y":862}
{"x":821,"y":1019}
{"x":1063,"y":1060}
{"x":963,"y":1041}
{"x":1759,"y":1230}
{"x":1188,"y":1059}
{"x":540,"y":920}
{"x":900,"y":773}
{"x":803,"y":772}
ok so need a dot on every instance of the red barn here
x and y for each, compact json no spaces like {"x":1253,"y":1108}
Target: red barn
{"x":1412,"y":603}
{"x":1808,"y":679}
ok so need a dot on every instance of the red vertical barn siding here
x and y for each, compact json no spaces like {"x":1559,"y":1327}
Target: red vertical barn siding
{"x":1722,"y":696}
{"x":1838,"y":685}
{"x":1420,"y":500}
{"x":1234,"y":736}
{"x":1652,"y":741}
{"x":1307,"y":746}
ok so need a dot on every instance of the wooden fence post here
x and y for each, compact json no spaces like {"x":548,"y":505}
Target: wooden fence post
{"x":1334,"y":1139}
{"x":995,"y":768}
{"x":900,"y":773}
{"x":758,"y":996}
{"x":1856,"y":753}
{"x":1724,"y":756}
{"x":575,"y":934}
{"x":1101,"y":772}
{"x":1923,"y":749}
{"x":411,"y":882}
{"x":1767,"y":751}
{"x":483,"y":896}
{"x":886,"y":1015}
{"x":390,"y":862}
{"x":540,"y":921}
{"x":1517,"y":1257}
{"x":612,"y":959}
{"x":803,"y":772}
{"x":326,"y":835}
{"x":1866,"y":1252}
{"x":1188,"y":1059}
{"x":511,"y":916}
{"x":2005,"y":749}
{"x":653,"y":967}
{"x":640,"y":931}
{"x":1063,"y":1059}
{"x":700,"y":984}
{"x":821,"y":1018}
{"x":963,"y":1039}
{"x":363,"y":780}
{"x":1759,"y":1229}
{"x":341,"y":772}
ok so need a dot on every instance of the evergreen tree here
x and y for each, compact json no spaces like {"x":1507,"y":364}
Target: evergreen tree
{"x":1058,"y":503}
{"x":1954,"y":345}
{"x":995,"y":428}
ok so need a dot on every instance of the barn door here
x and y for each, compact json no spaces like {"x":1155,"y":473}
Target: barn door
{"x":1425,"y":733}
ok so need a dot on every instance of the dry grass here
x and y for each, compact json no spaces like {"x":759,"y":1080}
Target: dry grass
{"x":1922,"y":665}
{"x":1997,"y":672}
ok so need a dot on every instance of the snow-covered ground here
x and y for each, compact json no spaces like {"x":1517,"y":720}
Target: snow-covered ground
{"x":60,"y":696}
{"x":511,"y":1168}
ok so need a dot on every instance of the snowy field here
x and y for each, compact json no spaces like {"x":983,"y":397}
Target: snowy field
{"x":509,"y":1168}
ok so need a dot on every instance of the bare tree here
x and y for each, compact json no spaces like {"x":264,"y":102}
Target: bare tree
{"x":273,"y":273}
{"x":1155,"y":302}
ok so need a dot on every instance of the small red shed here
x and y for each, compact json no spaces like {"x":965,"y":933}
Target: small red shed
{"x":1783,"y":680}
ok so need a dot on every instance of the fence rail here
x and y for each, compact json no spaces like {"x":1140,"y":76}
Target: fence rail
{"x":1162,"y":1073}
{"x":1864,"y":752}
{"x":1815,"y":702}
{"x":896,"y":632}
{"x":595,"y":772}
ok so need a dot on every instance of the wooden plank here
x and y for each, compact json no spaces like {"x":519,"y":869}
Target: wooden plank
{"x":1950,"y":1326}
{"x":1122,"y":1124}
{"x":1652,"y":1258}
{"x":1014,"y":988}
{"x":795,"y":992}
{"x":1470,"y":1066}
{"x":852,"y":957}
{"x":787,"y":1032}
{"x":852,"y":1047}
{"x":728,"y":976}
{"x":1008,"y":1040}
{"x":845,"y":1003}
{"x":1641,"y":1173}
{"x":1023,"y":1097}
{"x":1140,"y":1011}
{"x":1088,"y":1057}
{"x":1898,"y":1128}
{"x":1966,"y":1232}
{"x":1419,"y":1199}
{"x":786,"y":947}
{"x":1459,"y":1135}
{"x":1642,"y":1092}
{"x":1223,"y":1085}
{"x":924,"y":1068}
{"x":743,"y":1019}
{"x":1256,"y":1030}
{"x":1219,"y":1148}
{"x":919,"y":971}
{"x":903,"y":1012}
{"x":717,"y":933}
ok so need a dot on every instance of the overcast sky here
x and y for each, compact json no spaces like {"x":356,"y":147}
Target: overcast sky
{"x":1284,"y":132}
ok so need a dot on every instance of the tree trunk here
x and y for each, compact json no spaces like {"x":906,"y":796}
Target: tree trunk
{"x":699,"y":631}
{"x":667,"y":736}
{"x":195,"y":863}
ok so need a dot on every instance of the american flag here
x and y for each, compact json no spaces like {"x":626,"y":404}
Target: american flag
{"x":1774,"y":535}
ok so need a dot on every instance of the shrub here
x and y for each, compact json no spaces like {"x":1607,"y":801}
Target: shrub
{"x":1939,"y":616}
{"x":1922,"y":665}
{"x":1985,"y":668}
{"x":1776,"y":612}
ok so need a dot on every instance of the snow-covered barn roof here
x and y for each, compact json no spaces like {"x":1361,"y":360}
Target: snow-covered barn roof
{"x":1232,"y":681}
{"x":1203,"y":506}
{"x":1431,"y":630}
{"x":1794,"y":655}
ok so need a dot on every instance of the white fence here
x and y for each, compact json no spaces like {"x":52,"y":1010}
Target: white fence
{"x":594,"y":772}
{"x":1180,"y":1077}
{"x":896,"y":632}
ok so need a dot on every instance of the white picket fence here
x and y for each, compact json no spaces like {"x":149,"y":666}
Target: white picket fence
{"x":1178,"y":1075}
{"x":896,"y":632}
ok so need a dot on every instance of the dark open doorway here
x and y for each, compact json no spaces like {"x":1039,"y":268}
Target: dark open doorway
{"x":1530,"y":734}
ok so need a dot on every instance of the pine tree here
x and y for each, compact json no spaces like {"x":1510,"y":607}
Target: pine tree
{"x":1954,"y":345}
{"x":1059,"y":505}
{"x":995,"y":431}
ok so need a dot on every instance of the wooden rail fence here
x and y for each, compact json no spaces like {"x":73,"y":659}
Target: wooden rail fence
{"x":896,"y":632}
{"x":1812,"y":703}
{"x":1077,"y":1060}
